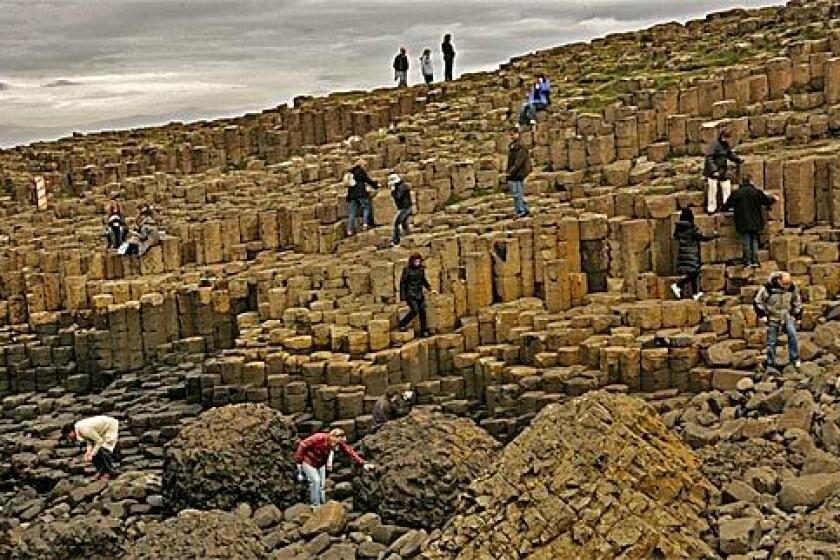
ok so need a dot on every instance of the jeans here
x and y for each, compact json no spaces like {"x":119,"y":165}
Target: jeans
{"x":773,"y":329}
{"x":317,"y":484}
{"x":749,"y":243}
{"x":400,"y":222}
{"x":103,"y":461}
{"x":353,"y":209}
{"x":712,"y":193}
{"x":517,"y":189}
{"x":416,"y":307}
{"x":402,"y":77}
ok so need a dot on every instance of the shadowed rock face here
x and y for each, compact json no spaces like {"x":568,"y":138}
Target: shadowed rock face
{"x":597,"y":477}
{"x":425,"y":461}
{"x":230,"y":455}
{"x":87,"y":537}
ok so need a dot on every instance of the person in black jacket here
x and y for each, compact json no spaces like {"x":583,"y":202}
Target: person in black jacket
{"x":412,"y":284}
{"x":688,"y":237}
{"x":748,"y":205}
{"x":401,"y":193}
{"x":448,"y":56}
{"x":518,"y":168}
{"x":358,"y":198}
{"x":401,"y":68}
{"x":716,"y":170}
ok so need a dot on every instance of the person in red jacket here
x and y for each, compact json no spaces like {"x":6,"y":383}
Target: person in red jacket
{"x":314,"y":456}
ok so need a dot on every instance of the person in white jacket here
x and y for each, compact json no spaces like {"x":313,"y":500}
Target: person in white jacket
{"x":100,"y":433}
{"x":426,"y":66}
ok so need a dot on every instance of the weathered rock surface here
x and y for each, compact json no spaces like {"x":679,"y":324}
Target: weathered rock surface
{"x":599,"y":457}
{"x":425,"y":461}
{"x":229,"y":455}
{"x":84,"y":537}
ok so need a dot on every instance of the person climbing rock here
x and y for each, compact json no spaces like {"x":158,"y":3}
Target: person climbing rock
{"x":779,"y":303}
{"x":716,"y":170}
{"x":448,"y":56}
{"x":314,"y":456}
{"x":412,"y":284}
{"x":518,"y":168}
{"x":401,"y":68}
{"x":391,"y":406}
{"x":689,"y":263}
{"x":747,"y":204}
{"x":401,"y":193}
{"x":358,"y":199}
{"x":101,"y":434}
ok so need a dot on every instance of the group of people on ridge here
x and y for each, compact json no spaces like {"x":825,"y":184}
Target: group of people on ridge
{"x":426,"y":67}
{"x":137,"y":241}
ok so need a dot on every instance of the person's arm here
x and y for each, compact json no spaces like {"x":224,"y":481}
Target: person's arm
{"x":402,"y":284}
{"x":766,"y":199}
{"x":426,"y":282}
{"x":732,"y":156}
{"x":303,"y":447}
{"x":350,"y":452}
{"x":796,"y":305}
{"x":760,"y":302}
{"x":515,"y":162}
{"x":91,"y":436}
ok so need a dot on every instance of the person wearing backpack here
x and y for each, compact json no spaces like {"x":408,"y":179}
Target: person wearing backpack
{"x":358,"y":200}
{"x":401,"y":193}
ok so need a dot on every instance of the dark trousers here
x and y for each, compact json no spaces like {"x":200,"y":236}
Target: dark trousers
{"x":400,"y":222}
{"x":447,"y":68}
{"x":417,"y":307}
{"x":103,"y":461}
{"x":429,"y":78}
{"x":689,"y":285}
{"x":749,"y":243}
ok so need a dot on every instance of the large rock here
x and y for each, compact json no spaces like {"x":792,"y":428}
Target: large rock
{"x":813,"y":535}
{"x":809,"y":490}
{"x":425,"y":461}
{"x":84,"y":537}
{"x":197,"y":535}
{"x":597,"y":477}
{"x":230,"y":455}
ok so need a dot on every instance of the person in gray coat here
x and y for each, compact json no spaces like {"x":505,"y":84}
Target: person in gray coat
{"x":779,"y":303}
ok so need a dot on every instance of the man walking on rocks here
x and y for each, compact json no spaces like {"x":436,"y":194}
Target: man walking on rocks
{"x":401,"y":68}
{"x":358,"y":199}
{"x":100,"y":433}
{"x":518,"y":168}
{"x":412,"y":284}
{"x":314,"y":456}
{"x":716,"y":170}
{"x":448,"y":56}
{"x":401,"y":193}
{"x":748,"y":205}
{"x":779,"y":303}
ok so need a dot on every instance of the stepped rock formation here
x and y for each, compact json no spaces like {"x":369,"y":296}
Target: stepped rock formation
{"x":229,"y":455}
{"x":425,"y":460}
{"x":599,"y":477}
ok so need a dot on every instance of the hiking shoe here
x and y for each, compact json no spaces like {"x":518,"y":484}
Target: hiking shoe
{"x":425,"y":334}
{"x":697,"y":296}
{"x":797,"y":364}
{"x":676,"y":290}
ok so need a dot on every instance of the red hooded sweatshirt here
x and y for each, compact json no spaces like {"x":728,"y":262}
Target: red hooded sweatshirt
{"x":315,"y":450}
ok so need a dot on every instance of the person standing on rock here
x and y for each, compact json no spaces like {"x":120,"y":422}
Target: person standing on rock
{"x":390,"y":406}
{"x":401,"y":193}
{"x":716,"y":170}
{"x":426,"y":67}
{"x":100,"y":433}
{"x":748,"y":204}
{"x":448,"y":57}
{"x":401,"y":68}
{"x":688,"y":237}
{"x":412,"y":284}
{"x":358,"y":199}
{"x":314,"y":456}
{"x":518,"y":168}
{"x":779,"y":303}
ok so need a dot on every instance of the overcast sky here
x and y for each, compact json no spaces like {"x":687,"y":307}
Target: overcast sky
{"x":86,"y":65}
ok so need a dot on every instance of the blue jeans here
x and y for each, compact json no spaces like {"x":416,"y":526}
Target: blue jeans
{"x":773,"y":329}
{"x":354,"y":206}
{"x":317,"y":484}
{"x":517,"y":189}
{"x":749,"y":244}
{"x":400,"y":222}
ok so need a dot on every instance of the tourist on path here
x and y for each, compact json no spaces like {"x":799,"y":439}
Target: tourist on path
{"x":448,"y":57}
{"x":536,"y":98}
{"x":716,"y":170}
{"x":390,"y":406}
{"x":426,"y":67}
{"x":518,"y":168}
{"x":146,"y":234}
{"x":401,"y":193}
{"x":100,"y":433}
{"x":314,"y":456}
{"x":401,"y":68}
{"x":412,"y":284}
{"x":779,"y":303}
{"x":748,"y":204}
{"x":689,"y":261}
{"x":358,"y":199}
{"x":545,"y":88}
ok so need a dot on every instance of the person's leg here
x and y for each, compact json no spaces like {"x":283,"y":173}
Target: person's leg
{"x":447,"y":64}
{"x":695,"y":283}
{"x":314,"y":477}
{"x":523,"y":203}
{"x":322,"y":472}
{"x":421,"y":311}
{"x":793,"y":340}
{"x":684,"y":284}
{"x":772,"y":336}
{"x":408,"y":317}
{"x":746,"y":248}
{"x":754,"y":248}
{"x":352,"y":210}
{"x":711,"y":196}
{"x":405,"y":221}
{"x":725,"y":190}
{"x":517,"y":191}
{"x":366,"y":213}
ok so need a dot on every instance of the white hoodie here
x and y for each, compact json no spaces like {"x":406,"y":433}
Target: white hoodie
{"x":426,"y":65}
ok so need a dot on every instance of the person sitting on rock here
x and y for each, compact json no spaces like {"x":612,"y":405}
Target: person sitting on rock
{"x":716,"y":170}
{"x":100,"y":433}
{"x":779,"y":303}
{"x":527,"y":115}
{"x":115,"y":228}
{"x":146,"y":234}
{"x":536,"y":97}
{"x":688,"y":237}
{"x":314,"y":456}
{"x":545,"y":88}
{"x":391,"y":406}
{"x":401,"y":193}
{"x":412,"y":283}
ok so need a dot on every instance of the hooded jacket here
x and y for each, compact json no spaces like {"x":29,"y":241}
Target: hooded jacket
{"x":776,"y":302}
{"x":401,"y":193}
{"x":747,"y":203}
{"x":315,"y":451}
{"x":148,"y":235}
{"x":688,"y":237}
{"x":519,"y":161}
{"x":716,"y":165}
{"x":412,"y":282}
{"x":360,"y":181}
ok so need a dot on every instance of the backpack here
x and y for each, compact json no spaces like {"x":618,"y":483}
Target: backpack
{"x":348,"y":180}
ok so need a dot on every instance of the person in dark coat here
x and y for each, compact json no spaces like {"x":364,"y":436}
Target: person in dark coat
{"x":688,"y":237}
{"x":401,"y":193}
{"x":401,"y":68}
{"x":391,"y":406}
{"x":518,"y":168}
{"x":358,"y":199}
{"x":748,"y":204}
{"x":716,"y":170}
{"x":448,"y":56}
{"x":412,"y":284}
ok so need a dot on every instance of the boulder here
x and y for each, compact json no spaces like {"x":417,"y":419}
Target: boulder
{"x":83,"y":537}
{"x":231,"y":455}
{"x":329,"y":518}
{"x":808,"y":490}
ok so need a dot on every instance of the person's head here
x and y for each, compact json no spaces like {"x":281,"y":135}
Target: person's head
{"x":785,"y":280}
{"x":360,"y":162}
{"x":687,"y":215}
{"x":725,"y":135}
{"x":541,"y":77}
{"x":336,"y":436}
{"x":513,"y":134}
{"x":402,"y":50}
{"x":68,"y":432}
{"x":427,"y":52}
{"x":392,"y":393}
{"x":415,"y":260}
{"x":394,"y":180}
{"x":447,"y":37}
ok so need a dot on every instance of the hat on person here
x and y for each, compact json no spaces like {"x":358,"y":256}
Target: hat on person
{"x":394,"y":180}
